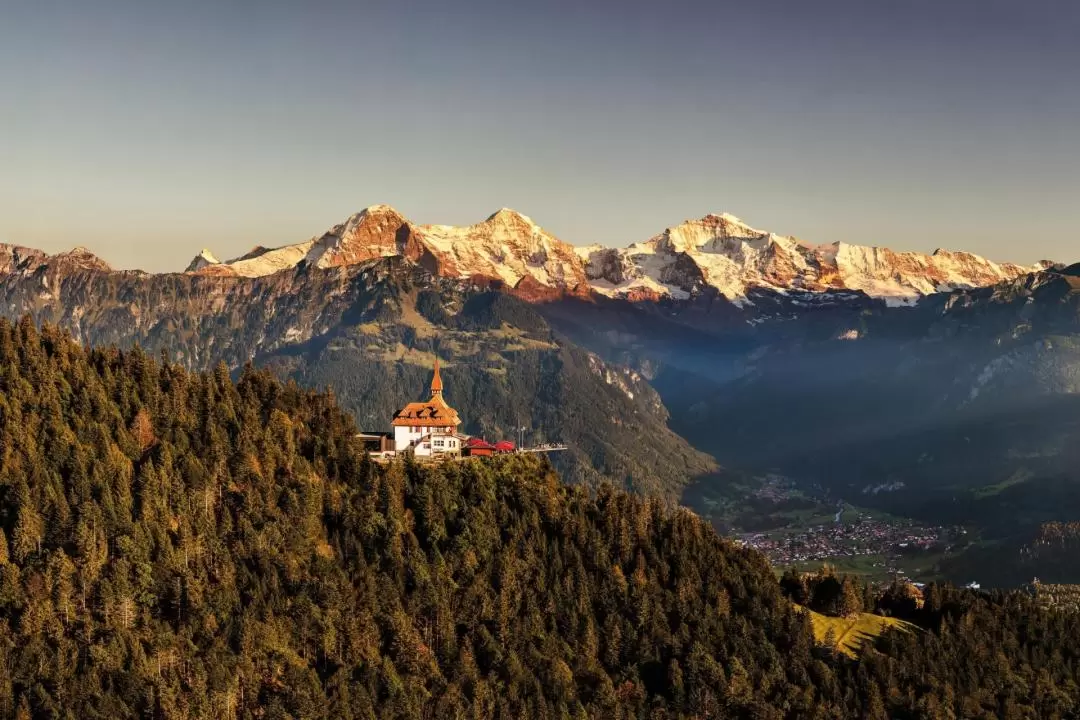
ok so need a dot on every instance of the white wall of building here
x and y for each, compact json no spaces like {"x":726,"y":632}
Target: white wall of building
{"x":406,"y":435}
{"x":438,"y":444}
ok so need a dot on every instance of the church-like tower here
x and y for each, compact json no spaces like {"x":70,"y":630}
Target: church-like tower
{"x":436,"y":381}
{"x":428,"y":428}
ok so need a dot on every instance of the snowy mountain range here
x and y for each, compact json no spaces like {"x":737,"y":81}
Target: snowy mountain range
{"x":717,"y":252}
{"x":507,"y":247}
{"x":723,"y":252}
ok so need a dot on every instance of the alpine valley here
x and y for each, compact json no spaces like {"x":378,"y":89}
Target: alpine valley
{"x":701,"y":363}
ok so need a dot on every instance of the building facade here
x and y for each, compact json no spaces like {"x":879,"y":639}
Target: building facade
{"x":428,"y":428}
{"x":439,"y":444}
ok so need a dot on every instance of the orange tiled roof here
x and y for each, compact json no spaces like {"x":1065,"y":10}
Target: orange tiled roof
{"x":433,"y":413}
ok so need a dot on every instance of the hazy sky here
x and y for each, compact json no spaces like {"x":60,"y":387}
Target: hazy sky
{"x":146,"y":130}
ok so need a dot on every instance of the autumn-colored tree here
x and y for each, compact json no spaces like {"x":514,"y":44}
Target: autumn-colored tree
{"x":142,"y":429}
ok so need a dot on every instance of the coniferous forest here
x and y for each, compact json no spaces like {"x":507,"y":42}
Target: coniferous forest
{"x":180,"y":545}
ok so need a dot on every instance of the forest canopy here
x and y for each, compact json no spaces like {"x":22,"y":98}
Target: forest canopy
{"x":180,"y":545}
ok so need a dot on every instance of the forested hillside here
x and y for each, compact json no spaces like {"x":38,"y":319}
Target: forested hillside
{"x":179,"y":546}
{"x":504,"y":369}
{"x":371,"y":331}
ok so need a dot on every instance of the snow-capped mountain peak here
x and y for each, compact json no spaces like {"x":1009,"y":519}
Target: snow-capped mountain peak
{"x":507,"y":246}
{"x":718,"y":251}
{"x":203,"y":260}
{"x":512,"y":218}
{"x":727,"y":254}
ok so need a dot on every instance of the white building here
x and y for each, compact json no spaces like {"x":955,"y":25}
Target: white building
{"x":428,"y":428}
{"x":438,"y":444}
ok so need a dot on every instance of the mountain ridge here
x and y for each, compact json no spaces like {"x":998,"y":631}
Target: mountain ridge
{"x":718,"y":252}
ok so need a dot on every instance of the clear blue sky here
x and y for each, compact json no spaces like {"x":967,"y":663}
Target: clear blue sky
{"x":146,"y":130}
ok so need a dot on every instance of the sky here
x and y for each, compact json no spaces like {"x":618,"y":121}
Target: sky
{"x":147,"y":130}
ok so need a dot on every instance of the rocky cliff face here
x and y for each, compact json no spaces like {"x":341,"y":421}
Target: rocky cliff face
{"x":28,"y":261}
{"x":378,"y":231}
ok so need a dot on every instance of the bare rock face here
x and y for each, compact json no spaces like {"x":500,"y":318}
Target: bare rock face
{"x":14,"y":258}
{"x":79,"y":259}
{"x":378,"y":231}
{"x":604,"y":263}
{"x":27,"y":261}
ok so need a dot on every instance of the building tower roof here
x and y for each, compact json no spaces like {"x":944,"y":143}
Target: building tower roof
{"x":433,"y":413}
{"x":436,"y":380}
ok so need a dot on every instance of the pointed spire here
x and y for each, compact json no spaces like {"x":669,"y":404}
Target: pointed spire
{"x":436,"y":380}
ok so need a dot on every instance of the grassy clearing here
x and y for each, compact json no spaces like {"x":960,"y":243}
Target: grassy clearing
{"x":399,"y":353}
{"x":1020,"y":476}
{"x":412,"y":318}
{"x":852,"y":632}
{"x":867,"y":567}
{"x":922,"y":566}
{"x":517,"y":340}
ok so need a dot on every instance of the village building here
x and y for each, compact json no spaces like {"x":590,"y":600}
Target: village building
{"x":429,"y":428}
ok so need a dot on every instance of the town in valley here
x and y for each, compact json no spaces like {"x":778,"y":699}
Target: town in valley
{"x":800,"y":525}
